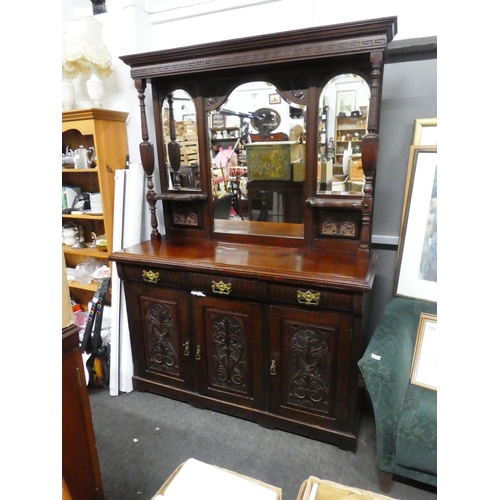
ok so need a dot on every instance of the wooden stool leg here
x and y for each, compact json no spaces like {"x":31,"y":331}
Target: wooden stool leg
{"x":385,"y":481}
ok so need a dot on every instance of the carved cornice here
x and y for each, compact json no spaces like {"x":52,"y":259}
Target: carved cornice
{"x":273,"y":48}
{"x":302,"y":51}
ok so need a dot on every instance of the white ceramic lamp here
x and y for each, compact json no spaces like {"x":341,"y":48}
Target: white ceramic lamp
{"x":84,"y":53}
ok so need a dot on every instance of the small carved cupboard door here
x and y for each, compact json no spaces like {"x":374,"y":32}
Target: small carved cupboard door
{"x":159,"y":333}
{"x":310,"y":366}
{"x":229,"y":350}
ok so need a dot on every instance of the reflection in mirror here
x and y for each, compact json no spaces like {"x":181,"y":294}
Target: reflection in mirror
{"x":180,"y":105}
{"x":343,"y":111}
{"x":257,"y":150}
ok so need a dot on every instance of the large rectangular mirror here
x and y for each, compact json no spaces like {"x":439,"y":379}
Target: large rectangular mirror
{"x":257,"y":150}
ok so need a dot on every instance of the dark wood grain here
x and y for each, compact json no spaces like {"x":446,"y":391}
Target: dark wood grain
{"x":261,"y":320}
{"x":80,"y":465}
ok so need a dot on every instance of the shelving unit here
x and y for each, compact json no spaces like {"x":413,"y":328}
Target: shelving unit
{"x":323,"y":131}
{"x":223,"y":137}
{"x":348,"y":129}
{"x":105,"y":131}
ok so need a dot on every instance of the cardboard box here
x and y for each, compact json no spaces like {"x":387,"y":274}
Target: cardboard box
{"x":197,"y":480}
{"x":326,"y":171}
{"x":320,"y":489}
{"x":272,"y":160}
{"x":356,"y":168}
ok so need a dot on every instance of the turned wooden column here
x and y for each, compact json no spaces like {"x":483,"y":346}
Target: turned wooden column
{"x":148,"y":160}
{"x":370,"y":148}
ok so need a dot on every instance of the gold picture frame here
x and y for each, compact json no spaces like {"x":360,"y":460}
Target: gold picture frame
{"x":425,"y":132}
{"x":424,"y":365}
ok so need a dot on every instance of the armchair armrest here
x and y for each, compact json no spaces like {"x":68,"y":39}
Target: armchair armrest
{"x":386,"y":366}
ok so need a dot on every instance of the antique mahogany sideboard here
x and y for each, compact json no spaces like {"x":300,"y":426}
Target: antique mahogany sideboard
{"x":261,"y":320}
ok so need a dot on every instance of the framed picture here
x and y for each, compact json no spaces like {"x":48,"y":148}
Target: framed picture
{"x":416,"y":266}
{"x":346,"y":101}
{"x":188,"y":118}
{"x":218,"y":120}
{"x":424,"y":365}
{"x":425,"y":132}
{"x":274,"y":99}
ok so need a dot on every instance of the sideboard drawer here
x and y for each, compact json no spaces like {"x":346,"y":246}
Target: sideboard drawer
{"x":154,"y":276}
{"x":312,"y":297}
{"x":225,"y":286}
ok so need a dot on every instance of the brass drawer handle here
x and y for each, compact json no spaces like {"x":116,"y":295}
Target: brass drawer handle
{"x":150,"y":276}
{"x":186,"y":348}
{"x":198,"y":353}
{"x":308,"y":298}
{"x":221,"y":287}
{"x":272,"y":370}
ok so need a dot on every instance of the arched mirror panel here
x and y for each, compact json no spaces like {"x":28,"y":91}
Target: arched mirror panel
{"x":257,"y":150}
{"x":179,"y":125}
{"x":342,"y":123}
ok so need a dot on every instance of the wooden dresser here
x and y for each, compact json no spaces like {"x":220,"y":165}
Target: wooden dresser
{"x":264,"y":320}
{"x":80,"y":465}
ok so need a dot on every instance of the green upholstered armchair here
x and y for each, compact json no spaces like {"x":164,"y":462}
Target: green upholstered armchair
{"x":405,"y":414}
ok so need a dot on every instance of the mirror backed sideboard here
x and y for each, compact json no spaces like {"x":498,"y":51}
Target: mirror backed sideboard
{"x":255,"y":301}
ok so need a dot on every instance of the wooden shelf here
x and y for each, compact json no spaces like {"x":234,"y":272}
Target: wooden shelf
{"x":105,"y":131}
{"x":83,"y":216}
{"x":80,"y":170}
{"x":91,"y":287}
{"x":87,"y":252}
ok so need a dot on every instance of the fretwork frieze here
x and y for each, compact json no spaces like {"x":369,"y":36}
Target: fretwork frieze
{"x":262,"y":56}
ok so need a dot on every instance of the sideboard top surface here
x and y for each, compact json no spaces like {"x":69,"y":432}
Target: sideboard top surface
{"x":346,"y":270}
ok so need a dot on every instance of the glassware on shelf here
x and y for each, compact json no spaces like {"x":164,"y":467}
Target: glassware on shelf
{"x":85,"y":270}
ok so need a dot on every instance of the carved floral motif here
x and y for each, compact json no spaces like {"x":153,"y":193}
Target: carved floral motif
{"x":309,"y":372}
{"x":161,"y":334}
{"x":229,"y":357}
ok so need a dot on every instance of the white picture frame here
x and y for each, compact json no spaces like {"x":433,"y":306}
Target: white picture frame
{"x":416,"y":266}
{"x":346,"y":102}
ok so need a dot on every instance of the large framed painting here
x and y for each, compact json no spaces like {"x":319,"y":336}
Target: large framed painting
{"x":416,"y":268}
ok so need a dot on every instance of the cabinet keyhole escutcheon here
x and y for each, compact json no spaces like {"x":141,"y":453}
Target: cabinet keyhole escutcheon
{"x":198,"y":353}
{"x":186,"y":348}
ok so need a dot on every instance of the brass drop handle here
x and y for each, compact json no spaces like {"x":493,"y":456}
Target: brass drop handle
{"x":186,"y":348}
{"x":198,"y":353}
{"x":150,"y":276}
{"x":221,"y":288}
{"x":272,"y":370}
{"x":308,"y":298}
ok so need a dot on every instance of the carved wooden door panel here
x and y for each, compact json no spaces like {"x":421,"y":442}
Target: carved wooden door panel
{"x":159,"y":334}
{"x":310,"y":366}
{"x":229,"y":350}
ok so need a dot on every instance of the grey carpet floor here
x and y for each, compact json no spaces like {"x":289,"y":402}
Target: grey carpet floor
{"x":141,"y":438}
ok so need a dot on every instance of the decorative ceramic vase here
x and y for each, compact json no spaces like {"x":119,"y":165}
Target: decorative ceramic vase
{"x":95,"y":89}
{"x":69,"y":236}
{"x":68,"y":94}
